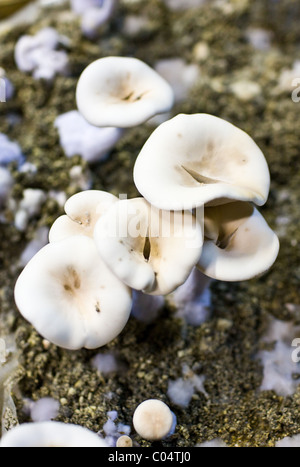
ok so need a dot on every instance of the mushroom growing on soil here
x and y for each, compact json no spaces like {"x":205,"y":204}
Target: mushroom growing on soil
{"x":51,"y":435}
{"x":70,"y":296}
{"x":195,"y":160}
{"x":148,"y":249}
{"x":83,"y":211}
{"x":122,"y":92}
{"x":238,"y":243}
{"x":153,"y":420}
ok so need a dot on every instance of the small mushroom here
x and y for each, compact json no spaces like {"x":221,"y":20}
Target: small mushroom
{"x":124,"y":442}
{"x":83,"y":211}
{"x":153,"y":420}
{"x":198,"y":159}
{"x":51,"y":435}
{"x":69,"y":295}
{"x":147,"y":249}
{"x":238,"y":244}
{"x":122,"y":92}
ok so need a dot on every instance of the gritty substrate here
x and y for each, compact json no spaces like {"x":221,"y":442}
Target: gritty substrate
{"x":224,"y":348}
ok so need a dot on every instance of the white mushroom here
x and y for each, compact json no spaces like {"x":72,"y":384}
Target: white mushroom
{"x":122,"y":92}
{"x":153,"y":420}
{"x":69,"y":295}
{"x":238,"y":245}
{"x":193,"y":160}
{"x":51,"y":435}
{"x":149,"y":250}
{"x":83,"y":211}
{"x":124,"y":442}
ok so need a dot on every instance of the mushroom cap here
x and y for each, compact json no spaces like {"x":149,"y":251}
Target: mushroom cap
{"x":83,"y":211}
{"x":121,"y":92}
{"x":153,"y":420}
{"x":238,"y":244}
{"x":69,"y":295}
{"x":124,"y":442}
{"x":148,"y":249}
{"x":193,"y":160}
{"x":51,"y":434}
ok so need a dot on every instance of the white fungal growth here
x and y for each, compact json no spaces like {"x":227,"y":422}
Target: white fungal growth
{"x":121,"y":92}
{"x":44,"y":409}
{"x":181,"y":390}
{"x":278,"y":365}
{"x":181,"y":76}
{"x":77,"y":136}
{"x":71,"y":297}
{"x":289,"y":442}
{"x":38,"y":54}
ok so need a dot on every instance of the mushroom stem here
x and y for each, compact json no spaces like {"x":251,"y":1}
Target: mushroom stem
{"x":193,"y":299}
{"x":145,"y":308}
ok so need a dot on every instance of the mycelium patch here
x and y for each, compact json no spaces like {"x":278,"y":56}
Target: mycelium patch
{"x":70,"y":296}
{"x":193,"y":160}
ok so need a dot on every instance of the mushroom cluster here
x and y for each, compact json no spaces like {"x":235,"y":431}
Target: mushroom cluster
{"x":199,"y":177}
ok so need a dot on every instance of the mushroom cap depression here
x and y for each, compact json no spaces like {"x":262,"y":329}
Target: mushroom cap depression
{"x":238,"y":244}
{"x":122,"y":92}
{"x":83,"y":211}
{"x":148,"y":249}
{"x":70,"y":296}
{"x":51,"y":434}
{"x":193,"y":160}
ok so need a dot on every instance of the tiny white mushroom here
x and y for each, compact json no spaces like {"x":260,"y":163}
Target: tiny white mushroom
{"x":69,"y":295}
{"x":153,"y":420}
{"x":124,"y":442}
{"x":122,"y":92}
{"x":83,"y":211}
{"x":148,"y":249}
{"x":193,"y":160}
{"x":238,"y":245}
{"x":51,"y":435}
